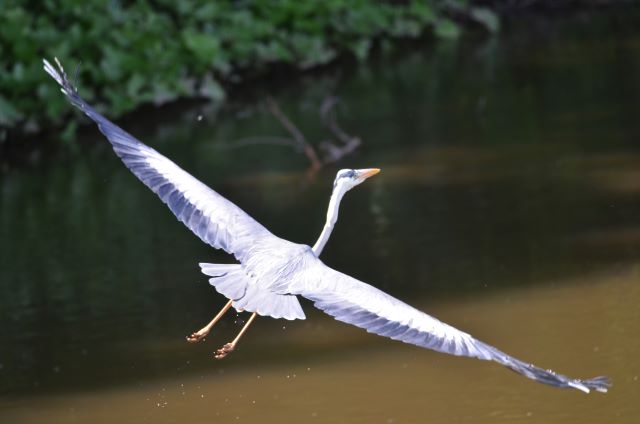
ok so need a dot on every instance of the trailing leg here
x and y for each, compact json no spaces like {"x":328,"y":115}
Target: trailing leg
{"x":229,"y":347}
{"x":202,"y":333}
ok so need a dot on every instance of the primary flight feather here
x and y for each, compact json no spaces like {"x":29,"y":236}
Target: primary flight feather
{"x":272,"y":271}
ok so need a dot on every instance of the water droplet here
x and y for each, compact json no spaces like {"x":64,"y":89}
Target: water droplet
{"x":199,"y":118}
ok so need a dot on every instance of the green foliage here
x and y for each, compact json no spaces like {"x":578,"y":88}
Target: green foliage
{"x":446,"y":28}
{"x":486,"y":18}
{"x":154,"y":51}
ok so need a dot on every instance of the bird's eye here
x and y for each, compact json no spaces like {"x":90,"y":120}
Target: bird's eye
{"x":346,"y":174}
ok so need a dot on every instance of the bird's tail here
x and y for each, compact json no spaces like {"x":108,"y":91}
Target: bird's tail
{"x":228,"y":279}
{"x":599,"y":384}
{"x":231,"y":281}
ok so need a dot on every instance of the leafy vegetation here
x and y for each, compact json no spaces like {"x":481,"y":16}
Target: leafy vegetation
{"x":154,"y":51}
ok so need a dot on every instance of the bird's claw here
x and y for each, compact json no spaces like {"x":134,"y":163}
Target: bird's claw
{"x":197,"y":336}
{"x":224,"y":351}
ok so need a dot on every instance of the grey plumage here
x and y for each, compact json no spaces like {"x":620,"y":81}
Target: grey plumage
{"x":231,"y":281}
{"x":357,"y":303}
{"x":273,"y":272}
{"x":214,"y":219}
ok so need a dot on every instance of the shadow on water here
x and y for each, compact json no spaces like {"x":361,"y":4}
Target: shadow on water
{"x":508,"y":205}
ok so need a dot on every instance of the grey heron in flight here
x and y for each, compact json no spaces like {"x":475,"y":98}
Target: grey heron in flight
{"x":273,"y":272}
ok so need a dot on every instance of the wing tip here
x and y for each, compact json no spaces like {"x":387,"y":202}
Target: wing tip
{"x":600,"y":384}
{"x":58,"y":73}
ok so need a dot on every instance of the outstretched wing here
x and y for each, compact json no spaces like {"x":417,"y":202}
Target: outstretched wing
{"x":359,"y":304}
{"x":210,"y":216}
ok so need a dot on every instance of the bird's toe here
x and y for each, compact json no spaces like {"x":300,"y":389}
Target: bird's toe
{"x":196,"y":337}
{"x":224,"y":351}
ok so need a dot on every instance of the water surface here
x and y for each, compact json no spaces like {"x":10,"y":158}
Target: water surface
{"x":508,"y":205}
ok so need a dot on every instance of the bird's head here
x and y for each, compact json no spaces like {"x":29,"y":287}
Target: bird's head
{"x":346,"y":179}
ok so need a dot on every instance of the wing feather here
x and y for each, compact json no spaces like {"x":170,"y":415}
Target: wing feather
{"x":357,"y":303}
{"x":214,"y":219}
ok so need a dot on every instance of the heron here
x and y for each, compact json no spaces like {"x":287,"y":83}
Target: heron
{"x":272,"y":273}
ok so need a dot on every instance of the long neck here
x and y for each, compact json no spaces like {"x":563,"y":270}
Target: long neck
{"x":332,"y":217}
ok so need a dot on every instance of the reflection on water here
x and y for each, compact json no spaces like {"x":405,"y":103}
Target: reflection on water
{"x":359,"y":378}
{"x":508,"y":206}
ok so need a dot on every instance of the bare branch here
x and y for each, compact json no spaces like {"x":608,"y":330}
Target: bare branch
{"x":329,"y":118}
{"x":332,"y":151}
{"x":306,"y":147}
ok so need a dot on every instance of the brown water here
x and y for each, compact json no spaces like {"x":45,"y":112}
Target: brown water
{"x":508,"y":206}
{"x":577,"y":326}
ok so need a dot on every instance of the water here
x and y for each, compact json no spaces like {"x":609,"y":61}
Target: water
{"x":508,"y":205}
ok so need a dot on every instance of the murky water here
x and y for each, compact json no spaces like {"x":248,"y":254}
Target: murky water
{"x":508,"y":205}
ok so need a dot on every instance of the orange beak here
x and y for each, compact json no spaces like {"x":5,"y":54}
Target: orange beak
{"x":366,"y":173}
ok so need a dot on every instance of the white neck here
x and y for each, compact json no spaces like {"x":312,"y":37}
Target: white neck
{"x":332,"y":217}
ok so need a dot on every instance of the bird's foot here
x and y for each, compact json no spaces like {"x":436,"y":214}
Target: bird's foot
{"x":224,"y":350}
{"x":198,"y":335}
